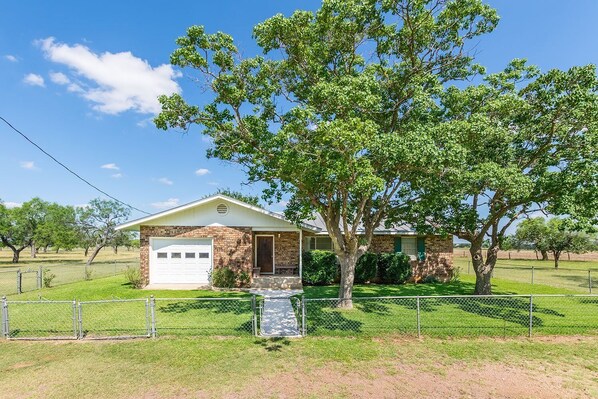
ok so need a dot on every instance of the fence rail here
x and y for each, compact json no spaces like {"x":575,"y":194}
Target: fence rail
{"x":433,"y":316}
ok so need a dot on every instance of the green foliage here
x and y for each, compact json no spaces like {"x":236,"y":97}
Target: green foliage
{"x":333,"y":113}
{"x":47,"y":278}
{"x":320,"y":267}
{"x":225,"y":277}
{"x":249,"y":199}
{"x":430,"y":279}
{"x":366,"y":269}
{"x":394,"y":268}
{"x":133,"y":277}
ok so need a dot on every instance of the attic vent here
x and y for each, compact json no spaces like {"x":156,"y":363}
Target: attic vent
{"x":222,"y":209}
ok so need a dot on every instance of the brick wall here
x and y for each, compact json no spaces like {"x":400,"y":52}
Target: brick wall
{"x":439,"y":256}
{"x":233,"y":246}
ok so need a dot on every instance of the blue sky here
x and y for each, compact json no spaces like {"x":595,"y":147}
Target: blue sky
{"x":80,"y":78}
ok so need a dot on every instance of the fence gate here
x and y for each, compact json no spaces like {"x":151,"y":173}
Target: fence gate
{"x":113,"y":319}
{"x":39,"y":319}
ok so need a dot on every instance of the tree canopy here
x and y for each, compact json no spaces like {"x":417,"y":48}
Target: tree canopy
{"x":334,"y":113}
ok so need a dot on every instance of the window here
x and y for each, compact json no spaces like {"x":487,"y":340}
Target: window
{"x":322,"y":243}
{"x":162,"y":255}
{"x":409,"y":246}
{"x":189,"y":255}
{"x":204,"y":255}
{"x":175,"y":255}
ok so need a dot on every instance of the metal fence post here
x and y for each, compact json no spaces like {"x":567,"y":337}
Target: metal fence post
{"x":531,"y":315}
{"x":19,"y":281}
{"x":254,"y":316}
{"x":303,"y":330}
{"x":153,"y":315}
{"x":590,"y":280}
{"x":148,"y":322}
{"x":39,"y":278}
{"x":418,"y":320}
{"x":75,"y":332}
{"x":5,"y":330}
{"x":532,"y":275}
{"x":468,"y":264}
{"x":80,"y":317}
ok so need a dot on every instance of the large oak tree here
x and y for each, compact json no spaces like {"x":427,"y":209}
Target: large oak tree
{"x":330,"y":113}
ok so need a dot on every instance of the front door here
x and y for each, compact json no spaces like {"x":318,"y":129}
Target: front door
{"x":264,"y":254}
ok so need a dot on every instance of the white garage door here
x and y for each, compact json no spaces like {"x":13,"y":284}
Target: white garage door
{"x":180,"y":261}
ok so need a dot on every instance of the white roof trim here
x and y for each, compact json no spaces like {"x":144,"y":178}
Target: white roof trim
{"x":140,"y":221}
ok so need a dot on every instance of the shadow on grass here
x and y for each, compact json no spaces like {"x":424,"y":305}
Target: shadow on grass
{"x":273,"y":344}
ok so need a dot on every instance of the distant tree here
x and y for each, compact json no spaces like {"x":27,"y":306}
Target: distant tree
{"x":250,"y":199}
{"x":97,"y":223}
{"x":121,"y":239}
{"x":533,"y":232}
{"x":58,"y":229}
{"x":19,"y":225}
{"x":559,"y":239}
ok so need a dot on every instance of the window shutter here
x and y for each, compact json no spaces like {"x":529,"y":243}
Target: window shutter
{"x":398,"y":244}
{"x":421,"y":248}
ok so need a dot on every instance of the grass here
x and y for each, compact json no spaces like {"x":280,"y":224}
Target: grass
{"x":305,"y":368}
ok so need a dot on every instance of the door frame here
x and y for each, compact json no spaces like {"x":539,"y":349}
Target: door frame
{"x":273,"y":252}
{"x":151,"y":251}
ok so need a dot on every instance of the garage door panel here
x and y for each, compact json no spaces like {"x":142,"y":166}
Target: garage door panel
{"x":179,"y":261}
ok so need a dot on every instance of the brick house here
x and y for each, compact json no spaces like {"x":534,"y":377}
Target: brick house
{"x":182,"y":246}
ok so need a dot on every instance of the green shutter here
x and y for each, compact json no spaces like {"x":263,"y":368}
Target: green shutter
{"x":398,"y":244}
{"x":421,"y":248}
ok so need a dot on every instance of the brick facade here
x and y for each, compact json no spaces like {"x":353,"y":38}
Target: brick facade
{"x":439,"y":256}
{"x":233,"y":246}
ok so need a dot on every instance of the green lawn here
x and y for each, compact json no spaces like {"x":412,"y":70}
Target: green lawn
{"x":301,"y":368}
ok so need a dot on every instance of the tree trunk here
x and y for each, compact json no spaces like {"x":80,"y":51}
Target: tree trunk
{"x":483,"y":270}
{"x":57,"y":248}
{"x":536,"y":252}
{"x":33,"y":250}
{"x":544,"y":255}
{"x":115,"y":248}
{"x":557,"y":255}
{"x":46,"y":248}
{"x":345,"y":293}
{"x":95,"y":252}
{"x":86,"y":251}
{"x":15,"y":255}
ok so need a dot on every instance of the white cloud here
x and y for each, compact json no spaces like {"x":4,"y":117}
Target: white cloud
{"x":117,"y":175}
{"x":202,"y":172}
{"x":10,"y":204}
{"x":29,"y":165}
{"x":213,"y":183}
{"x":169,"y":203}
{"x":11,"y":58}
{"x":33,"y":79}
{"x":111,"y":166}
{"x":165,"y":180}
{"x":59,"y":78}
{"x":114,"y":82}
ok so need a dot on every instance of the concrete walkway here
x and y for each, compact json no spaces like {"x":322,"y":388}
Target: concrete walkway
{"x":278,"y":318}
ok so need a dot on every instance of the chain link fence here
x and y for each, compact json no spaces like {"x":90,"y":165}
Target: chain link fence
{"x":17,"y":281}
{"x":454,"y":316}
{"x":433,"y":316}
{"x":579,"y":280}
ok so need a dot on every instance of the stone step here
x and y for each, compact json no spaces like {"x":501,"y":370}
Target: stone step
{"x":277,"y":282}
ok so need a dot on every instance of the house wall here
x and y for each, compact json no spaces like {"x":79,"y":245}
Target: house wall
{"x":286,"y":248}
{"x":439,"y":256}
{"x":233,"y":246}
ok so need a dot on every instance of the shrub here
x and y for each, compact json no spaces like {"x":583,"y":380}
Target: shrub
{"x":48,"y":277}
{"x":224,"y":277}
{"x":394,"y":268}
{"x":244,"y":280}
{"x":320,"y":267}
{"x":430,"y":279}
{"x":133,"y":276}
{"x":366,"y":269}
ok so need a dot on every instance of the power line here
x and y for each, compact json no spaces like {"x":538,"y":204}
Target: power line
{"x":69,"y":170}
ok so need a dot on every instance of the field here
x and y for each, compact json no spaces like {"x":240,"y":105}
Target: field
{"x":345,"y":358}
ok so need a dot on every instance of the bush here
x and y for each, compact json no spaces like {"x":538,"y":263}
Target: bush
{"x":244,"y":279}
{"x":320,"y":268}
{"x":394,"y":268}
{"x":224,"y":277}
{"x":48,"y":277}
{"x":133,"y":276}
{"x":366,"y":269}
{"x":430,"y":279}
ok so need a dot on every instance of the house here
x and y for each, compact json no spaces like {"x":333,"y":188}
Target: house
{"x":182,"y":246}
